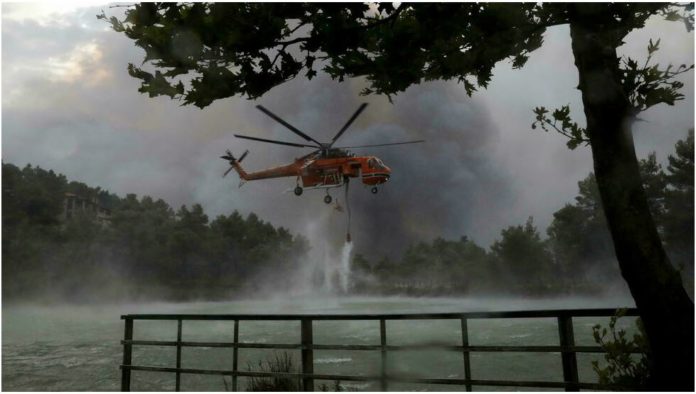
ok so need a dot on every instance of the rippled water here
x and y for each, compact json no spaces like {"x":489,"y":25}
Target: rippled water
{"x":76,"y":348}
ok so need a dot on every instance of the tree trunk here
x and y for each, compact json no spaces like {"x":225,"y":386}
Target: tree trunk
{"x":665,"y":308}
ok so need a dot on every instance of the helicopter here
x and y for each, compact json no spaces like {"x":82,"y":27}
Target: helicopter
{"x":326,"y":167}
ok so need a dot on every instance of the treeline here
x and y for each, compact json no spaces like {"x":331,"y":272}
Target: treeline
{"x":575,"y":257}
{"x":150,"y":251}
{"x":147,"y":251}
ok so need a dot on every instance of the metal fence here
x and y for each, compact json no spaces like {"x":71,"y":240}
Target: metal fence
{"x":566,"y":348}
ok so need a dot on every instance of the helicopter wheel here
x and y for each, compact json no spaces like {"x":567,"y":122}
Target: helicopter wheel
{"x":298,"y":191}
{"x":374,"y":190}
{"x":327,"y":199}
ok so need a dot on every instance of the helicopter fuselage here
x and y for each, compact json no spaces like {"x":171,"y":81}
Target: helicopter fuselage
{"x":313,"y":171}
{"x":333,"y":171}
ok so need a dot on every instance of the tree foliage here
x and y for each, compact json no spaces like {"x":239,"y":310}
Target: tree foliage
{"x":247,"y":49}
{"x":148,"y":250}
{"x":624,"y":368}
{"x":678,"y":218}
{"x":202,"y":52}
{"x":524,"y":255}
{"x":644,"y":86}
{"x":579,"y":237}
{"x":576,"y":257}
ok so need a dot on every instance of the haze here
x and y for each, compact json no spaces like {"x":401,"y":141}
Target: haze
{"x":69,"y":105}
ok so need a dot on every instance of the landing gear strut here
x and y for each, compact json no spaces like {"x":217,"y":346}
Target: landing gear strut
{"x":374,"y":190}
{"x":298,"y":191}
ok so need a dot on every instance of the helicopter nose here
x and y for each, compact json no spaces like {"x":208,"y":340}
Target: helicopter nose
{"x":385,"y":174}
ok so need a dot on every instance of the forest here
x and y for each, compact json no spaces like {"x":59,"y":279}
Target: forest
{"x":148,"y":250}
{"x":575,"y":257}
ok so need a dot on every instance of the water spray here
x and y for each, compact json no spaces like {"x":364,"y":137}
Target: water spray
{"x":347,"y":248}
{"x":348,"y":240}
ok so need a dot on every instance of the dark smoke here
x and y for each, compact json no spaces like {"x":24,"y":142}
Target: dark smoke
{"x":438,"y":188}
{"x":442,"y":187}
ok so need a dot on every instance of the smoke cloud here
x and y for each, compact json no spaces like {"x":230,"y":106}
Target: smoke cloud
{"x":69,"y":105}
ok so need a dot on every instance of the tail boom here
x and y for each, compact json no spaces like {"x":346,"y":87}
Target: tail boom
{"x":275,"y":172}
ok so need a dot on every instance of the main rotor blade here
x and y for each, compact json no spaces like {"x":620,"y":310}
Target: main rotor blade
{"x":275,"y":142}
{"x":288,"y":125}
{"x":350,"y":121}
{"x":370,"y":146}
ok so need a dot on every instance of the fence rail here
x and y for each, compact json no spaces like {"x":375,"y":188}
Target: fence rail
{"x":566,"y":347}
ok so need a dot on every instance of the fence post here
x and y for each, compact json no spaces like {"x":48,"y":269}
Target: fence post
{"x":178,"y":355}
{"x":235,"y":355}
{"x":383,"y":342}
{"x":127,"y":354}
{"x":467,"y":361}
{"x":568,"y":357}
{"x":307,"y":354}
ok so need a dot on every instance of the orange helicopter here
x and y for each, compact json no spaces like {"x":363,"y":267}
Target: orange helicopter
{"x":326,"y":168}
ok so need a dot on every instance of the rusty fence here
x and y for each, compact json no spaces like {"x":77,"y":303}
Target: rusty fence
{"x":566,"y":348}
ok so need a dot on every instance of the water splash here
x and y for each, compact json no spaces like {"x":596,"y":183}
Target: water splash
{"x":344,"y":268}
{"x":327,"y":267}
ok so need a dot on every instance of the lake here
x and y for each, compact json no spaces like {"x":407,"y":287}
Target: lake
{"x":76,"y":347}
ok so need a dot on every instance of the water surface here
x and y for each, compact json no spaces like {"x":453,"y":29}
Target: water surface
{"x":76,"y":347}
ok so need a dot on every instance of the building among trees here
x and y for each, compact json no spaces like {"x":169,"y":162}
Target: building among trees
{"x":77,"y":205}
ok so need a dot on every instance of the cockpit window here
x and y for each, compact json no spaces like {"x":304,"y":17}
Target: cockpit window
{"x":375,"y":163}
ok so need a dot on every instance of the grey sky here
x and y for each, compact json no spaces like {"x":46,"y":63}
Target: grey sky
{"x":69,"y":105}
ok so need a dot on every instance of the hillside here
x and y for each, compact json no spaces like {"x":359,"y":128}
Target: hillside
{"x":138,"y":248}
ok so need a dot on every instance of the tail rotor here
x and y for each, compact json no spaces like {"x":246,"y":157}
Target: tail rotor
{"x":231,"y":159}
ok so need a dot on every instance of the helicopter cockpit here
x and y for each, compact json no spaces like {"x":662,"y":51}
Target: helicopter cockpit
{"x":376,"y":163}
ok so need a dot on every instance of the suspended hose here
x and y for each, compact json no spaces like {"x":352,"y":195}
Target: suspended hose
{"x":348,"y":211}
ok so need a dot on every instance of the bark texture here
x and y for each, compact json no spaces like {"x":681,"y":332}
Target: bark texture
{"x":665,"y":307}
